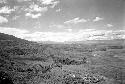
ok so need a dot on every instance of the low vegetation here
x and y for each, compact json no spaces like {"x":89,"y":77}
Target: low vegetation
{"x":23,"y":62}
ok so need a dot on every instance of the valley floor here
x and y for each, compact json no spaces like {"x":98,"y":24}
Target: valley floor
{"x":63,"y":64}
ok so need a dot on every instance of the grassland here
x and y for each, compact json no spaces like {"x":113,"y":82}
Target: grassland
{"x":75,"y":63}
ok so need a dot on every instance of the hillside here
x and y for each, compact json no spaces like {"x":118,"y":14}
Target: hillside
{"x":6,"y":37}
{"x":24,"y":62}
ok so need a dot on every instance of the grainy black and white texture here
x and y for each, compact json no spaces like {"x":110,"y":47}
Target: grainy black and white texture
{"x":62,"y":42}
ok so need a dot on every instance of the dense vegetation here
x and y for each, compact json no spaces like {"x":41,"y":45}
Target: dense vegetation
{"x":23,"y":62}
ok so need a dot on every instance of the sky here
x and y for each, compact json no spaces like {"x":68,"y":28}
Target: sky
{"x":63,"y":20}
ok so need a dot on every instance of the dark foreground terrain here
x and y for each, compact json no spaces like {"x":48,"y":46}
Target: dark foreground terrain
{"x":23,"y":62}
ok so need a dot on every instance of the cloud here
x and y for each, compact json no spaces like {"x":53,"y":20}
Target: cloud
{"x":58,"y":26}
{"x":15,"y":17}
{"x":109,"y":25}
{"x":101,"y":34}
{"x":58,"y":10}
{"x":97,"y":19}
{"x":3,"y":1}
{"x":14,"y":31}
{"x":23,"y":0}
{"x":81,"y":35}
{"x":3,"y":19}
{"x":36,"y":8}
{"x":50,"y":36}
{"x":32,"y":8}
{"x":6,"y":9}
{"x":75,"y":21}
{"x":54,"y":4}
{"x":48,"y":2}
{"x":33,"y":15}
{"x":69,"y":30}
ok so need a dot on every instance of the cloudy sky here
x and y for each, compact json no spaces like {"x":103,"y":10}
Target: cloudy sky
{"x":63,"y":20}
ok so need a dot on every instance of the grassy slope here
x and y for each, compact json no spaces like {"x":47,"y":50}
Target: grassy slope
{"x":30,"y":63}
